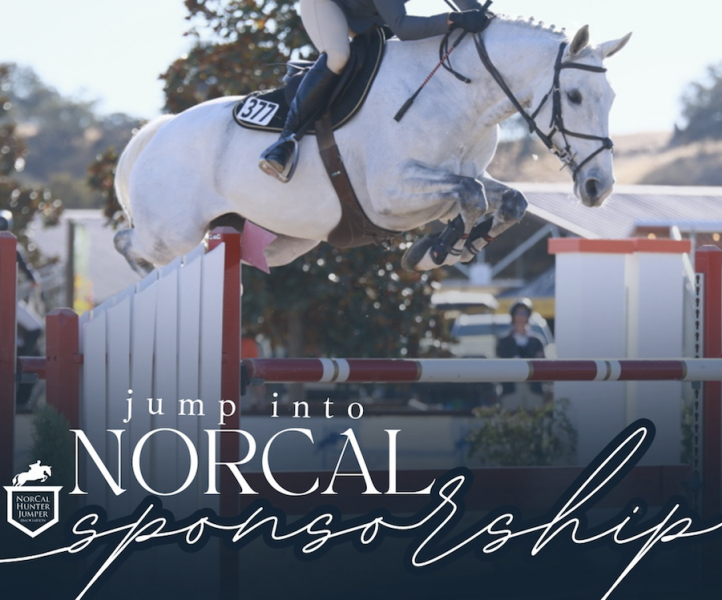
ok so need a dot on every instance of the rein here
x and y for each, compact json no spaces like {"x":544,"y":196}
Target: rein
{"x":557,"y":121}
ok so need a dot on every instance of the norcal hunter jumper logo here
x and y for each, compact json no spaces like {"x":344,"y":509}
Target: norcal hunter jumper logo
{"x":33,"y":508}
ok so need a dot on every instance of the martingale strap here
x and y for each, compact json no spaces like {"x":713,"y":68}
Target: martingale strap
{"x":355,"y":228}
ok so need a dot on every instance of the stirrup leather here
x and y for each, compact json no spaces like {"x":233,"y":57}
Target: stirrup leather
{"x":290,"y":167}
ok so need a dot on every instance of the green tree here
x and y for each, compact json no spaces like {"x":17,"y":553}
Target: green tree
{"x":62,"y":136}
{"x":241,"y":46}
{"x":25,"y":202}
{"x":702,"y":109}
{"x":542,"y":436}
{"x":354,"y":302}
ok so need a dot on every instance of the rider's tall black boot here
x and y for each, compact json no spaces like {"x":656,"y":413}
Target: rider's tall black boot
{"x":279,"y":160}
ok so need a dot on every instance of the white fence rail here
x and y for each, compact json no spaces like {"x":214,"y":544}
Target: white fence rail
{"x":159,"y":343}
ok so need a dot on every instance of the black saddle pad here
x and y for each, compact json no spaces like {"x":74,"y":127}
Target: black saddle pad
{"x":266,"y":110}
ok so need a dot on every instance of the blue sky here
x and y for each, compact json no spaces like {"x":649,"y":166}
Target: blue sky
{"x":114,"y":51}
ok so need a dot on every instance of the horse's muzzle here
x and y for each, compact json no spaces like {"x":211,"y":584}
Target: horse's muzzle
{"x":593,"y":188}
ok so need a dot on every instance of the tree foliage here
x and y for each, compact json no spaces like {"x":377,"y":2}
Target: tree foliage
{"x":353,"y":302}
{"x":541,"y":437}
{"x":62,"y":135}
{"x":702,"y":109}
{"x":249,"y":43}
{"x":101,"y":177}
{"x":22,"y":200}
{"x":53,"y":444}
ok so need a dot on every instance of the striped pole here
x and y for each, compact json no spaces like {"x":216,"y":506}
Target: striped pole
{"x":472,"y":370}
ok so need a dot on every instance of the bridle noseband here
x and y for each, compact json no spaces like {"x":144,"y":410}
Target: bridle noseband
{"x":565,"y":154}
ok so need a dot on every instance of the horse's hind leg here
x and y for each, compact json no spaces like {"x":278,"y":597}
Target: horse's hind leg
{"x":509,"y":208}
{"x":126,"y":243}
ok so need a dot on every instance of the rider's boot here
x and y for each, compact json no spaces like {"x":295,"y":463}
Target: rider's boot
{"x":279,"y":160}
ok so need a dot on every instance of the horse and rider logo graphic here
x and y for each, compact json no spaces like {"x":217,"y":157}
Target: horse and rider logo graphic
{"x":33,"y":509}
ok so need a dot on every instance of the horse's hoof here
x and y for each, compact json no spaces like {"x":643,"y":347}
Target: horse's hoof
{"x":414,"y":255}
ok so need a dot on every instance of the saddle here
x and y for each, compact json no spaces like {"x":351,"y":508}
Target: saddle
{"x":267,"y":111}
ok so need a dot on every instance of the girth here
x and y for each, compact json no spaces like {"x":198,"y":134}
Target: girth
{"x":355,"y":228}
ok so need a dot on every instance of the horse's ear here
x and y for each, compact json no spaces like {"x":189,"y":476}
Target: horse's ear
{"x":580,"y":41}
{"x":611,"y":48}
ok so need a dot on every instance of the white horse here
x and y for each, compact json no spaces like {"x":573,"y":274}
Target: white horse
{"x":180,"y":173}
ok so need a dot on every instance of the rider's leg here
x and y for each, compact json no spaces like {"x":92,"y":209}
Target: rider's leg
{"x":326,"y":25}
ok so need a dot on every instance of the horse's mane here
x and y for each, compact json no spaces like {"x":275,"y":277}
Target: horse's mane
{"x":531,"y":24}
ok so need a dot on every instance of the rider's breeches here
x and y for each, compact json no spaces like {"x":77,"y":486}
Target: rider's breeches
{"x":328,"y":29}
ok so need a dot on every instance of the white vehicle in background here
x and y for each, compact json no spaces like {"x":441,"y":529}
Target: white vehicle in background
{"x":476,"y":336}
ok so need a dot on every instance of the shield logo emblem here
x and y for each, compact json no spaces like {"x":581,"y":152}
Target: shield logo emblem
{"x":33,"y":509}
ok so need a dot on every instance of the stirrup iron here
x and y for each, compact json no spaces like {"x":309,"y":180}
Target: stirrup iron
{"x":290,"y":168}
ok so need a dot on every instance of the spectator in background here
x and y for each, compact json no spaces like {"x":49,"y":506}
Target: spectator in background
{"x":520,"y":342}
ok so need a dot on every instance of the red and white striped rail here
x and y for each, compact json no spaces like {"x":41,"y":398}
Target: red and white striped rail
{"x":473,"y":370}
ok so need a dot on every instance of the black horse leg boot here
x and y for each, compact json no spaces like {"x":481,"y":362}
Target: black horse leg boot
{"x":279,"y":160}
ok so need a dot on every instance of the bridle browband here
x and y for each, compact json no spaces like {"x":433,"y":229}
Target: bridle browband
{"x":565,"y":154}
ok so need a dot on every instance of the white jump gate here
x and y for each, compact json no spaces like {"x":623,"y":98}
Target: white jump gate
{"x":623,"y":298}
{"x":160,"y":338}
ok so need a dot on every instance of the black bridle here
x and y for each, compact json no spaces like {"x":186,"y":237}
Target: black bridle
{"x":564,"y":154}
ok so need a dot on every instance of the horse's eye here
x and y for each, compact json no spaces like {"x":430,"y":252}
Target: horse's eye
{"x":575,"y":97}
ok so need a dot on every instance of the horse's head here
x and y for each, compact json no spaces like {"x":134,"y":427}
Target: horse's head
{"x":573,"y":115}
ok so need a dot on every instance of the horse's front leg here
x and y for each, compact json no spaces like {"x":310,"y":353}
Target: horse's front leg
{"x":508,"y":206}
{"x":438,"y":193}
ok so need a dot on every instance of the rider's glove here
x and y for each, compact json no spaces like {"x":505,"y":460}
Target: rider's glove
{"x":473,"y":21}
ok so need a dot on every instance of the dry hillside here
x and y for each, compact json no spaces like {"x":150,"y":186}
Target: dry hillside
{"x":645,"y":158}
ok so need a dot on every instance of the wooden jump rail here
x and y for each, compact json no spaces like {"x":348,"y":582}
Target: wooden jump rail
{"x":473,"y":370}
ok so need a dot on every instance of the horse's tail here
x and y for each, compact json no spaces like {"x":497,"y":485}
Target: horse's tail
{"x":15,"y":480}
{"x":129,"y":156}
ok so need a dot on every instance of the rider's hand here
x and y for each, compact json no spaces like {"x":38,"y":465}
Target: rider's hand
{"x":473,"y":21}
